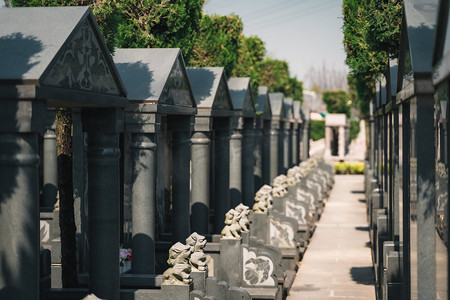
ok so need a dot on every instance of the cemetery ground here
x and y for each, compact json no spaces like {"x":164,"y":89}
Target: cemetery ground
{"x":338,"y":264}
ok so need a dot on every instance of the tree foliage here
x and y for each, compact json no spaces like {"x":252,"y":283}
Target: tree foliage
{"x":218,"y":42}
{"x":158,"y":24}
{"x":371,"y":36}
{"x":337,"y":102}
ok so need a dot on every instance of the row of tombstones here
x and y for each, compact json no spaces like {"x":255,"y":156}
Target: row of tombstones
{"x":387,"y":255}
{"x":255,"y":257}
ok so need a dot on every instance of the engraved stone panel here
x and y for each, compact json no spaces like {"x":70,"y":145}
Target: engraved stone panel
{"x":82,"y":65}
{"x":257,"y":269}
{"x":281,"y":234}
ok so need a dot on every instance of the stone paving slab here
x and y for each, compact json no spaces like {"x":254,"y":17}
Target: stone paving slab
{"x":338,"y":264}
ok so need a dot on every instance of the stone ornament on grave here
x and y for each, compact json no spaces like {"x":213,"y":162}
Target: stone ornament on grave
{"x":232,"y":229}
{"x":198,"y":258}
{"x":262,"y":200}
{"x":243,"y":211}
{"x":280,"y":186}
{"x":180,"y":269}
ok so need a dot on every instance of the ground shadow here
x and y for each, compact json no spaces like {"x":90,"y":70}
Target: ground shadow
{"x":357,"y":192}
{"x":362,"y":200}
{"x":363,"y":275}
{"x":362,"y":228}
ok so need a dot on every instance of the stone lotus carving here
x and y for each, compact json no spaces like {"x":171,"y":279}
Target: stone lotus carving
{"x":198,"y":258}
{"x":280,"y":186}
{"x":232,"y":229}
{"x":262,"y":201}
{"x":179,"y":271}
{"x":257,"y":269}
{"x":293,"y":176}
{"x":243,"y":211}
{"x":281,"y":234}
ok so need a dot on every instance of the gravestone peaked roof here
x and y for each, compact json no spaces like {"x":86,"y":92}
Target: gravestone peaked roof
{"x":416,"y":46}
{"x":242,"y":96}
{"x":57,"y":53}
{"x":277,"y":105}
{"x":156,"y":76}
{"x":210,"y":89}
{"x":441,"y":55}
{"x":288,"y":113}
{"x":262,"y":103}
{"x":296,"y":107}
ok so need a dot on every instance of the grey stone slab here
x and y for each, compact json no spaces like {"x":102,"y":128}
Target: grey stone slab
{"x":277,"y":105}
{"x":288,"y":109}
{"x":155,"y":74}
{"x":262,"y":103}
{"x":210,"y":90}
{"x":242,"y":96}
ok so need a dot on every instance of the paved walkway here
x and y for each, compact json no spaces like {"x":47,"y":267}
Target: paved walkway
{"x":337,"y":264}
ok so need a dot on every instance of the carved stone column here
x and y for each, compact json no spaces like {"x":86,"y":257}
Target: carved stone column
{"x":20,"y":124}
{"x":143,"y":197}
{"x":295,"y":158}
{"x":248,"y":159}
{"x":258,"y":154}
{"x":221,"y":171}
{"x":103,"y":127}
{"x":286,"y":146}
{"x":201,"y":144}
{"x":274,"y":146}
{"x":181,"y":156}
{"x":50,"y":162}
{"x":236,"y":162}
{"x":266,"y":157}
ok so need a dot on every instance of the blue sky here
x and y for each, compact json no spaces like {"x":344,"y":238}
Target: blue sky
{"x":305,"y":33}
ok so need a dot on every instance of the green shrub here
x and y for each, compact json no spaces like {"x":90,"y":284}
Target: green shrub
{"x":349,"y":168}
{"x":317,"y":130}
{"x":354,"y":129}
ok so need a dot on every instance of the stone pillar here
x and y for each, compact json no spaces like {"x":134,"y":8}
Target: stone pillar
{"x":286,"y":146}
{"x":341,"y":142}
{"x":258,"y":155}
{"x":200,"y":156}
{"x":295,"y":154}
{"x":181,"y":152}
{"x":50,"y":162}
{"x":103,"y":127}
{"x":291,"y":143}
{"x":328,"y":140}
{"x":143,"y":197}
{"x":20,"y":124}
{"x":274,"y":136}
{"x":281,"y":155}
{"x":236,"y":162}
{"x":305,"y":140}
{"x":300,"y":143}
{"x":221,"y":172}
{"x":266,"y":156}
{"x":248,"y":159}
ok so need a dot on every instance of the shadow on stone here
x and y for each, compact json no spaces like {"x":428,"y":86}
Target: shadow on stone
{"x":362,"y":275}
{"x":362,"y":228}
{"x":368,"y":245}
{"x":357,"y":192}
{"x":362,"y":200}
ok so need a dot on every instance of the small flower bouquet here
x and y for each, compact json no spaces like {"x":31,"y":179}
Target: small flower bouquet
{"x":125,"y":255}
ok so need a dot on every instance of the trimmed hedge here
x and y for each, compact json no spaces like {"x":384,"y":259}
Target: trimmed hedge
{"x":354,"y":129}
{"x":317,"y":130}
{"x":348,"y":168}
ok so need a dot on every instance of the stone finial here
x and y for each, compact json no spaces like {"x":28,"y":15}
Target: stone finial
{"x":197,"y":243}
{"x":179,"y":271}
{"x":261,"y":202}
{"x":243,"y":211}
{"x":232,"y":229}
{"x":441,"y":170}
{"x":280,"y":186}
{"x":291,"y":178}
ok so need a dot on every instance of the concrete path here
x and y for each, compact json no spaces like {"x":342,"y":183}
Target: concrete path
{"x":337,"y":264}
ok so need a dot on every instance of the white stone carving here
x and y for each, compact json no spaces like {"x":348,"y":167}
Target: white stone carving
{"x":257,"y":269}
